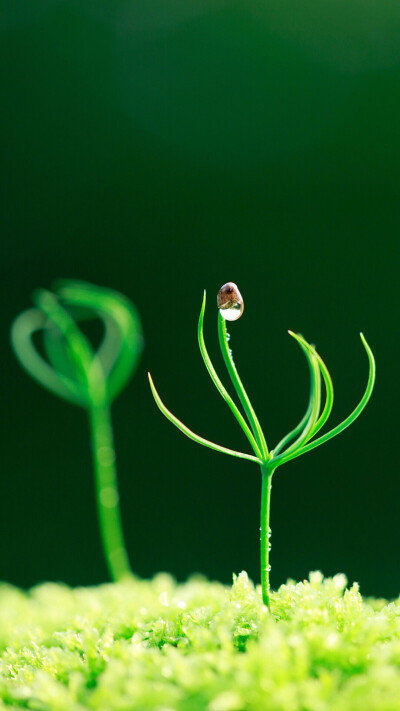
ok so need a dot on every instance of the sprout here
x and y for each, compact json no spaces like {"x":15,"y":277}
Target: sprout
{"x":91,"y":379}
{"x":297,"y":442}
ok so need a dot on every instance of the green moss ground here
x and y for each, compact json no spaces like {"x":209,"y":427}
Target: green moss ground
{"x":169,"y":647}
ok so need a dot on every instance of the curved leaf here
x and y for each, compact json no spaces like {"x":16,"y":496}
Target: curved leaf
{"x":348,"y":421}
{"x":192,"y":435}
{"x":22,"y":330}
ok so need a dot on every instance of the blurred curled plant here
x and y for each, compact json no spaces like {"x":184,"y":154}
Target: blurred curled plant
{"x":298,"y":441}
{"x":91,"y":378}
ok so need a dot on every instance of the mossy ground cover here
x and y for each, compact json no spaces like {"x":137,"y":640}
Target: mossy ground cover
{"x":187,"y":647}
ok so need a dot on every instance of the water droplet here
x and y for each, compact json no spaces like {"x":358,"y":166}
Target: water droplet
{"x":163,"y":598}
{"x":268,"y":569}
{"x":269,"y":546}
{"x":230,"y":302}
{"x":105,"y":456}
{"x":109,"y":497}
{"x":233,"y":313}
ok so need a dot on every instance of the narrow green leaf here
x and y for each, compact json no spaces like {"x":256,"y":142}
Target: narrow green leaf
{"x":348,"y":421}
{"x":328,"y":387}
{"x":22,"y":330}
{"x":76,"y":343}
{"x":110,"y":347}
{"x":56,"y":350}
{"x":214,"y":377}
{"x":299,"y":428}
{"x":115,"y":310}
{"x":314,"y":401}
{"x":293,"y":433}
{"x":89,"y":371}
{"x":241,"y":392}
{"x":186,"y":431}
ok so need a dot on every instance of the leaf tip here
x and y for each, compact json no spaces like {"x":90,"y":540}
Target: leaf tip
{"x":364,"y":341}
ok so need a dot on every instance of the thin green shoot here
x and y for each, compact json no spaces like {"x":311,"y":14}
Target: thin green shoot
{"x":91,"y":379}
{"x":298,"y":441}
{"x":192,"y":435}
{"x":238,"y":385}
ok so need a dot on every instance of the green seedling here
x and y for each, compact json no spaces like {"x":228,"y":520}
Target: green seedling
{"x":86,"y":377}
{"x":299,"y":441}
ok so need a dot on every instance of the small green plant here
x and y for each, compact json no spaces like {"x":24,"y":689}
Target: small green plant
{"x":299,"y":441}
{"x":153,"y":645}
{"x":85,"y":377}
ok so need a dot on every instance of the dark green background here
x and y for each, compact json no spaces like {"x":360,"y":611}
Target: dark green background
{"x":161,"y":147}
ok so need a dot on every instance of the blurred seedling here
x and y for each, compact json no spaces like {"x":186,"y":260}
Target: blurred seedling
{"x":298,"y":441}
{"x":90,"y":378}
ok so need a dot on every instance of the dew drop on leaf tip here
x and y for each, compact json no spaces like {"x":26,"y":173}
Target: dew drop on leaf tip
{"x":231,"y":314}
{"x":230,"y":301}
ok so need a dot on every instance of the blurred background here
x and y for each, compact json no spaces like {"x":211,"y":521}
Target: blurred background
{"x":163,"y":147}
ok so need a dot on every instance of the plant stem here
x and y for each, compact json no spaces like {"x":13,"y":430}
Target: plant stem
{"x":238,"y":385}
{"x":107,"y":492}
{"x":266,"y":485}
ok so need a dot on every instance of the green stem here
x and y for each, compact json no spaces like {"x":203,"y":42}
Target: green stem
{"x":107,"y":492}
{"x":266,"y":485}
{"x":238,"y":385}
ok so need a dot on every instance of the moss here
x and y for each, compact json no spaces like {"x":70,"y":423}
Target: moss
{"x":168,"y":647}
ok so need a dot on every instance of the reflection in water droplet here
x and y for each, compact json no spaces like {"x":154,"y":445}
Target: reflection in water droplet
{"x":233,"y":313}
